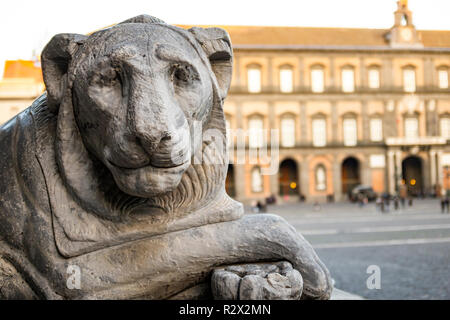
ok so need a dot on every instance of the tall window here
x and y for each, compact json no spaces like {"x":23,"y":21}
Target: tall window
{"x":256,"y":132}
{"x":317,"y":79}
{"x":411,"y":127}
{"x":254,"y":79}
{"x":376,"y":129}
{"x":374,"y":78}
{"x":350,"y":131}
{"x":409,"y":79}
{"x":257,"y":181}
{"x":288,"y":131}
{"x":319,"y":132}
{"x":444,"y":124}
{"x":321,"y":178}
{"x":348,"y":79}
{"x":286,"y":82}
{"x":443,"y":78}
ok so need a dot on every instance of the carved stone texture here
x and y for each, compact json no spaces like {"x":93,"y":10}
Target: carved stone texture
{"x":257,"y":282}
{"x":118,"y":171}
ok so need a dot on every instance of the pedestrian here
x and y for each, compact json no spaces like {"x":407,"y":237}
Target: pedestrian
{"x":396,"y":204}
{"x":447,"y":203}
{"x":378,"y":203}
{"x":360,"y":200}
{"x":403,"y":194}
{"x":259,"y":206}
{"x":387,"y":202}
{"x":443,"y":203}
{"x":410,"y":201}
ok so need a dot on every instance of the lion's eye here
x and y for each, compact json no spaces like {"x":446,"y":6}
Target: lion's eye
{"x":106,"y":78}
{"x":184,"y":74}
{"x":110,"y":77}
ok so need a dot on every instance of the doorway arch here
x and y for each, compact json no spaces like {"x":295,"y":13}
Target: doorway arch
{"x":229,"y":182}
{"x":350,"y":174}
{"x":412,"y":175}
{"x":288,"y":178}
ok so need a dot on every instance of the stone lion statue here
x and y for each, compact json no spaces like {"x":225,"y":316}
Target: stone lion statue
{"x":101,"y":196}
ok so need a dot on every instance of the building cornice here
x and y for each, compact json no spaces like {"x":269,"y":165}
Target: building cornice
{"x":371,"y":49}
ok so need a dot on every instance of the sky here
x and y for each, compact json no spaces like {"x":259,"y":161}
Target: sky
{"x":27,"y":25}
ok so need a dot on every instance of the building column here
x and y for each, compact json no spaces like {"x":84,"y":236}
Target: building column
{"x":274,"y":188}
{"x":433,"y":167}
{"x":440,"y":169}
{"x":332,"y":83}
{"x":272,"y":116}
{"x":362,"y":73}
{"x":303,"y":123}
{"x":428,"y":71}
{"x":301,"y":70}
{"x":398,"y":168}
{"x":337,"y":179}
{"x":237,"y":71}
{"x":270,"y":80}
{"x":304,"y":177}
{"x":387,"y":73}
{"x":334,"y":123}
{"x":366,"y":176}
{"x":365,"y":122}
{"x":391,"y":172}
{"x":239,"y":119}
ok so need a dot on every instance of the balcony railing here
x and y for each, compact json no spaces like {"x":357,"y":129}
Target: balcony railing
{"x":338,"y":90}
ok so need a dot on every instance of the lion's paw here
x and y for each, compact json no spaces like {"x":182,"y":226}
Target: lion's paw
{"x":259,"y":281}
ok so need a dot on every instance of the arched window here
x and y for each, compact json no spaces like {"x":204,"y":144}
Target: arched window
{"x":321,"y":178}
{"x":257,"y":181}
{"x":319,"y":131}
{"x":317,"y":78}
{"x":350,"y":130}
{"x":254,"y":78}
{"x":286,"y":79}
{"x":376,"y":129}
{"x":444,"y":124}
{"x":411,"y":127}
{"x":348,"y":79}
{"x":287,"y":130}
{"x":256,"y":131}
{"x":443,"y":77}
{"x":409,"y":79}
{"x":374,"y":77}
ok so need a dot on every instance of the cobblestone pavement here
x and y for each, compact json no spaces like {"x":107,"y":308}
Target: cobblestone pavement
{"x":411,"y":246}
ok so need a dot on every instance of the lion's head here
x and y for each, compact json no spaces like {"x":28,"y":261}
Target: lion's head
{"x":130,"y":102}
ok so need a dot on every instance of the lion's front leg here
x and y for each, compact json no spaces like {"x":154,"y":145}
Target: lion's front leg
{"x":259,"y":281}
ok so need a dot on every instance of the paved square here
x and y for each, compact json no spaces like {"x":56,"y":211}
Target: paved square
{"x":411,"y":246}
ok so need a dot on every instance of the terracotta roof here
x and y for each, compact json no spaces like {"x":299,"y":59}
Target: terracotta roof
{"x":305,"y":36}
{"x":25,"y":69}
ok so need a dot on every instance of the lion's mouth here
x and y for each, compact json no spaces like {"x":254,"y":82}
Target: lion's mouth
{"x":166,"y":166}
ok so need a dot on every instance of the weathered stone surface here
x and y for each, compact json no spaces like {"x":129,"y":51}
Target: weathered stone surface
{"x":274,"y":281}
{"x":113,"y":172}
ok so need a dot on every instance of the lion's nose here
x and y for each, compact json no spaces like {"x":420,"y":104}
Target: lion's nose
{"x":165,"y":142}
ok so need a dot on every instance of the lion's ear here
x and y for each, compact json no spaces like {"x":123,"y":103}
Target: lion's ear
{"x":55,"y":60}
{"x":217,"y":45}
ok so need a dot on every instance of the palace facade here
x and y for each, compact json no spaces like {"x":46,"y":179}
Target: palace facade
{"x":352,"y":106}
